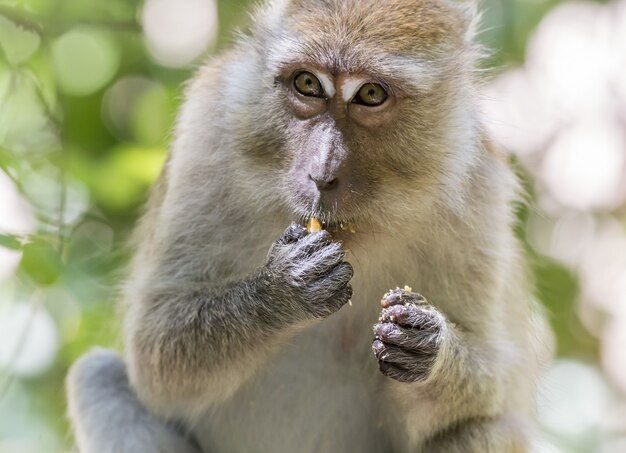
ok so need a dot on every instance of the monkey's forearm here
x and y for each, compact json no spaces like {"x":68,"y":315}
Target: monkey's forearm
{"x":195,"y":346}
{"x":468,"y":375}
{"x":506,"y":434}
{"x":460,"y":372}
{"x":190,"y":343}
{"x":460,"y":403}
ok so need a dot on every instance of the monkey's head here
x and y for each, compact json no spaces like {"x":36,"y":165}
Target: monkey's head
{"x":359,"y":110}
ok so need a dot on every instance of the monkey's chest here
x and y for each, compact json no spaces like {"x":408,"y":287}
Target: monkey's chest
{"x":318,"y":395}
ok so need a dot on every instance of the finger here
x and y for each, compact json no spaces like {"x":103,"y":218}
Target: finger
{"x":292,"y":234}
{"x":342,"y":296}
{"x":313,"y":242}
{"x":335,"y":280}
{"x":395,"y":372}
{"x":422,"y":317}
{"x":341,"y":275}
{"x":321,"y":262}
{"x":324,"y":304}
{"x":415,"y":340}
{"x":400,"y":297}
{"x":410,"y":361}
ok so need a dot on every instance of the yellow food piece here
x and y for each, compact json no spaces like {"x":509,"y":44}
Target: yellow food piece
{"x":314,"y":225}
{"x":407,"y":288}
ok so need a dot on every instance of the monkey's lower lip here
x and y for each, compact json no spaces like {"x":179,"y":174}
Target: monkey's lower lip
{"x":336,"y":227}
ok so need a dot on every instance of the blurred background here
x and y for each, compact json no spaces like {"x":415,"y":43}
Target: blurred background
{"x":88,"y":95}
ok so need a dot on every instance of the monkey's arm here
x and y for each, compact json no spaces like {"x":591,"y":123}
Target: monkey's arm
{"x":504,"y":434}
{"x":191,"y":347}
{"x":106,"y":415}
{"x":459,"y":375}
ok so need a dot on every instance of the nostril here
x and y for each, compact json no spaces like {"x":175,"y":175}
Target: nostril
{"x":323,"y":184}
{"x":331,"y":184}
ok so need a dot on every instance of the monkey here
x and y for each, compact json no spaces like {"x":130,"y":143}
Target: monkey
{"x":246,"y":332}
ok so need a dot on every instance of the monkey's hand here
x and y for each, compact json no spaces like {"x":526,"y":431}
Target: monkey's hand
{"x":308,"y":269}
{"x":409,"y":336}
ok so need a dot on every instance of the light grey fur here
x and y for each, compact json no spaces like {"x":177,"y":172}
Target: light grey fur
{"x":225,"y":343}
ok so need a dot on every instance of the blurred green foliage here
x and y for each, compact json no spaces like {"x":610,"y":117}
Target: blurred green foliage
{"x":85,"y":117}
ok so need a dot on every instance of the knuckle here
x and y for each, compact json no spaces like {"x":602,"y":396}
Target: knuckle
{"x":345,"y":274}
{"x":320,"y":236}
{"x":388,"y":331}
{"x":293,"y":232}
{"x":394,"y":313}
{"x":387,"y":369}
{"x":324,"y":235}
{"x":334,"y":249}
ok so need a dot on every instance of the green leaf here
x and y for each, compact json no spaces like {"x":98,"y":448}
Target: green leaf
{"x":17,"y":43}
{"x":41,"y":262}
{"x":10,"y":241}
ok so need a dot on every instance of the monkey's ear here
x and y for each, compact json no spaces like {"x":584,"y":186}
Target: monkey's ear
{"x":469,"y":11}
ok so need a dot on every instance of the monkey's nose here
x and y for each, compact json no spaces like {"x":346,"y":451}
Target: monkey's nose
{"x":324,"y":183}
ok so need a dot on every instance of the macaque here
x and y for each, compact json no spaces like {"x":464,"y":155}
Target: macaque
{"x":239,"y":334}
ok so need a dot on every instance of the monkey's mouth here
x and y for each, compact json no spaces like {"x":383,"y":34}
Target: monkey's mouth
{"x":330,"y":224}
{"x":339,"y":227}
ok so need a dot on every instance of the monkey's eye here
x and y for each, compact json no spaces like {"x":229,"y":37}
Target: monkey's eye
{"x":371,"y":95}
{"x":308,"y":85}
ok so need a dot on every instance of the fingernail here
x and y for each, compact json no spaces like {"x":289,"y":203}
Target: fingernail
{"x":378,"y":347}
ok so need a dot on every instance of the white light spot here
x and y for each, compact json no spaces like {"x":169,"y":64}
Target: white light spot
{"x":516,"y":113}
{"x":16,"y":217}
{"x":573,"y":398}
{"x":178,"y":31}
{"x":571,"y":50}
{"x":30,"y":339}
{"x":571,"y":236}
{"x":603,"y":268}
{"x":542,"y":446}
{"x":613,"y":347}
{"x":614,"y":445}
{"x":584,"y":166}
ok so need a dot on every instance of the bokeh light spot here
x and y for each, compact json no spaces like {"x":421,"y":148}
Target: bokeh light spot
{"x":573,"y":399}
{"x":84,"y":61}
{"x":17,"y":43}
{"x":178,"y":31}
{"x":584,"y":166}
{"x":30,"y":339}
{"x":16,"y":217}
{"x":614,"y":345}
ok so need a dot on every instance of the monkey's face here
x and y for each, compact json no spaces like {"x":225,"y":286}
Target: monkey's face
{"x":335,"y":119}
{"x":370,"y":100}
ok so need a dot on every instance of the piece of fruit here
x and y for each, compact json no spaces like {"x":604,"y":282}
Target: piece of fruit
{"x":314,"y":225}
